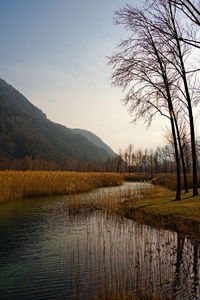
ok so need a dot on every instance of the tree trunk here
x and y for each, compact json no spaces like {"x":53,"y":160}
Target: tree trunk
{"x":188,"y":98}
{"x":178,"y":173}
{"x":182,"y":157}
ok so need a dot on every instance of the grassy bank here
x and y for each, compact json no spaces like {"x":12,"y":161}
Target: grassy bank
{"x":17,"y":184}
{"x":159,"y":209}
{"x":153,"y":206}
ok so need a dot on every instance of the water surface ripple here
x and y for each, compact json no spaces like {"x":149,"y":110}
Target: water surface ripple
{"x":48,"y":252}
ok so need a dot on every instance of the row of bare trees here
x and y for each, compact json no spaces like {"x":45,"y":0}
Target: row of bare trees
{"x":29,"y":163}
{"x":130,"y":160}
{"x":156,"y":66}
{"x":154,"y":161}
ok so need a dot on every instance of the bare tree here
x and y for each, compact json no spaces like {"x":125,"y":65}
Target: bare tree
{"x":141,"y":66}
{"x":119,"y":161}
{"x":190,"y":8}
{"x":181,"y":149}
{"x":170,"y":30}
{"x":181,"y":132}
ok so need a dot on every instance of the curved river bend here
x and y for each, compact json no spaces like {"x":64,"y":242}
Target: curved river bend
{"x":48,"y":252}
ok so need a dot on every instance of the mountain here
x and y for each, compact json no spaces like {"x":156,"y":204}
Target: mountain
{"x":26,"y":131}
{"x":95,"y":140}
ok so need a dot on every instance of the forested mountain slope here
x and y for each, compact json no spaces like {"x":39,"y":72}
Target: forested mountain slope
{"x":95,"y":140}
{"x":25,"y":131}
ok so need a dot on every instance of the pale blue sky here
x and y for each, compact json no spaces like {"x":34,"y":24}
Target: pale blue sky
{"x":54,"y":52}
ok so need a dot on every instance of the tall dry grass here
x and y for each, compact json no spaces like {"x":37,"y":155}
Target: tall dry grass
{"x":113,"y":200}
{"x":169,"y":180}
{"x":107,"y":201}
{"x":136,"y":176}
{"x":18,"y":184}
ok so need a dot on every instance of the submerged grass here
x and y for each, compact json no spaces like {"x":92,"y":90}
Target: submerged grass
{"x":18,"y":184}
{"x":152,"y":205}
{"x":106,"y":200}
{"x":147,"y":205}
{"x":112,"y":201}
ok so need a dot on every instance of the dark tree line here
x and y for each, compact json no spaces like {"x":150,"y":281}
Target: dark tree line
{"x":68,"y":164}
{"x":154,"y":66}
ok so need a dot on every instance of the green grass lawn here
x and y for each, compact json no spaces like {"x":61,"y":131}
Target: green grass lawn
{"x":160,"y":210}
{"x":163,"y":203}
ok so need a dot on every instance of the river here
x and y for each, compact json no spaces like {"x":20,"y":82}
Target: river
{"x":49,"y":252}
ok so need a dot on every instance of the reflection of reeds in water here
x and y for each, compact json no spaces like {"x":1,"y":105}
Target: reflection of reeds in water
{"x":96,"y":254}
{"x":133,"y":261}
{"x":123,"y":295}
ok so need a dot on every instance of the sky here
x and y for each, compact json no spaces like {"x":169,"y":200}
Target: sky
{"x":55,"y":53}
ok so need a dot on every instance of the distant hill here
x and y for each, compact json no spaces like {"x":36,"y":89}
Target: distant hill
{"x":26,"y":131}
{"x":95,"y":140}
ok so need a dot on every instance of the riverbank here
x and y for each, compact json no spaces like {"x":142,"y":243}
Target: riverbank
{"x":159,"y":209}
{"x":101,"y":251}
{"x":147,"y":204}
{"x":154,"y":206}
{"x":18,"y":184}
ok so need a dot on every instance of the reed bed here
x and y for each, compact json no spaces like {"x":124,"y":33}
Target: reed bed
{"x":136,"y":176}
{"x":112,"y":201}
{"x":169,"y":181}
{"x":109,"y":202}
{"x":151,"y":205}
{"x":18,"y":184}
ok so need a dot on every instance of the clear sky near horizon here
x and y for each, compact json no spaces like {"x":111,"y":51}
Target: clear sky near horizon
{"x":54,"y":52}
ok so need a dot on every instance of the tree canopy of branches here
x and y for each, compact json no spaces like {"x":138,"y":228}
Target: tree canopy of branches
{"x":151,"y":65}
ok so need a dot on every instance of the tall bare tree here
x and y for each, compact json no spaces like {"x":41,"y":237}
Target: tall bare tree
{"x":170,"y":30}
{"x":141,"y":66}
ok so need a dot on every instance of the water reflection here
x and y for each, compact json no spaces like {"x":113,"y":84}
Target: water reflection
{"x":49,"y":253}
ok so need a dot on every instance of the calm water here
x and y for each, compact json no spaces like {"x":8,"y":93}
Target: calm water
{"x":47,"y":252}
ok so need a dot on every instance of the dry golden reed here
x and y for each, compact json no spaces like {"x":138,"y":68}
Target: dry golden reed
{"x":18,"y":184}
{"x":169,"y":180}
{"x":106,"y":201}
{"x":136,"y":176}
{"x":112,"y":200}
